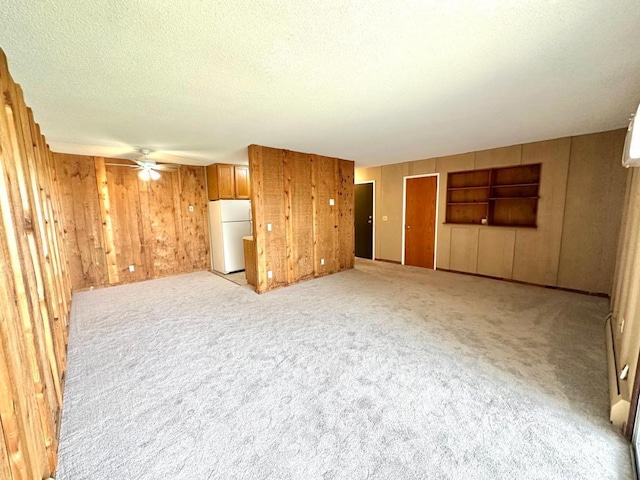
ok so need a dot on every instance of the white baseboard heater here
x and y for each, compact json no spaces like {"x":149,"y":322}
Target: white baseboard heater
{"x":618,"y":389}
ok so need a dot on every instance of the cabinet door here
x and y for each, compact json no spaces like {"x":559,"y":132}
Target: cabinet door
{"x":226,"y":183}
{"x":242,"y":182}
{"x":212,"y":182}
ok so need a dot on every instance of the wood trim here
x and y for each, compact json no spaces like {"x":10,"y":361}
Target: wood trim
{"x":36,"y":295}
{"x":511,"y":280}
{"x":107,"y":224}
{"x":390,"y":261}
{"x":257,"y":214}
{"x":288,"y":219}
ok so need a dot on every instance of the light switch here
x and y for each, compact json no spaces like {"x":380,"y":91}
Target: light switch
{"x":384,"y":218}
{"x":269,"y":274}
{"x":332,"y":202}
{"x":269,"y":227}
{"x":322,"y":261}
{"x":191,"y":208}
{"x":132,"y":268}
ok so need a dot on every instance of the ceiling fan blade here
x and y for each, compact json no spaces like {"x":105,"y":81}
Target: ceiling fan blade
{"x":141,"y":161}
{"x":166,"y":167}
{"x":122,"y":165}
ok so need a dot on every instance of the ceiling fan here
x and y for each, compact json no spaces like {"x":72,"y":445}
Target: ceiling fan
{"x":149,"y":169}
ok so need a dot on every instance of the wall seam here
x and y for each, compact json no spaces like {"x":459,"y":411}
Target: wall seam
{"x":564,"y":210}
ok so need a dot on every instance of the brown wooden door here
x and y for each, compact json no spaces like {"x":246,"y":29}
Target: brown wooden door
{"x":420,"y":221}
{"x":242,"y":182}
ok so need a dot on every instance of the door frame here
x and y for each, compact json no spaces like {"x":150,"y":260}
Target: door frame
{"x":404,"y":213}
{"x":373,"y":228}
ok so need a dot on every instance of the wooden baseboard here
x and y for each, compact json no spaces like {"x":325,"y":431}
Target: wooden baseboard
{"x":388,"y":261}
{"x":521,"y":282}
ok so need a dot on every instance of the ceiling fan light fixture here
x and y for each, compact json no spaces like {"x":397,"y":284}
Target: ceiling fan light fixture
{"x":144,"y":175}
{"x":147,"y":174}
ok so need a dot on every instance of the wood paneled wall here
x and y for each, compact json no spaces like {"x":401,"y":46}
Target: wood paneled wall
{"x":625,"y":297}
{"x":114,"y":220}
{"x":579,"y":213}
{"x":292,"y":192}
{"x":35,"y":293}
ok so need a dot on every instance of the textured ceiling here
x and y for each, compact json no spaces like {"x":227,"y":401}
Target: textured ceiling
{"x":373,"y":81}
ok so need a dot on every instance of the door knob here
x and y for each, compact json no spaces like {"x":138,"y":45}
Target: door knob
{"x":369,"y":221}
{"x":408,"y":226}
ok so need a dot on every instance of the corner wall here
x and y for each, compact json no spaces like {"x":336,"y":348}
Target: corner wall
{"x":625,"y":297}
{"x":114,"y":220}
{"x":309,"y":237}
{"x":35,"y":293}
{"x":578,"y":213}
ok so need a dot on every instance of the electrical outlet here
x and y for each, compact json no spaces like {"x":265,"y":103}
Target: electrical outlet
{"x":132,"y":268}
{"x":332,"y":202}
{"x":269,"y":227}
{"x":269,"y":274}
{"x":191,"y":208}
{"x":322,"y":261}
{"x":384,"y":218}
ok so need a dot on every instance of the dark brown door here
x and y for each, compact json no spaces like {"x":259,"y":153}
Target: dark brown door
{"x":363,"y":217}
{"x":420,"y":221}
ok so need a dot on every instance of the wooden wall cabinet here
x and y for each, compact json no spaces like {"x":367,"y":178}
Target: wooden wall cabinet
{"x":505,"y":196}
{"x":241,"y":176}
{"x":228,"y":182}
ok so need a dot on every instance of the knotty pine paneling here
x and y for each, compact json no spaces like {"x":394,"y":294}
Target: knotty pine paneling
{"x":35,"y":297}
{"x":299,"y":216}
{"x":81,"y":213}
{"x":345,"y":202}
{"x":292,"y":192}
{"x":114,"y":220}
{"x":272,"y":207}
{"x":325,"y":236}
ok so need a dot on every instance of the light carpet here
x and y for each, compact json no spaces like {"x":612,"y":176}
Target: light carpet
{"x":380,"y":372}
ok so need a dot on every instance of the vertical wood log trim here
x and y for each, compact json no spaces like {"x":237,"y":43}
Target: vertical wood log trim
{"x":107,"y":224}
{"x":178,"y":206}
{"x":257,"y":213}
{"x":44,"y":371}
{"x":288,"y":220}
{"x":146,"y":231}
{"x":22,"y":254}
{"x":55,"y":354}
{"x":314,"y":199}
{"x":35,"y":294}
{"x":14,"y":431}
{"x":5,"y":472}
{"x":335,"y":212}
{"x":38,"y":246}
{"x":17,"y":222}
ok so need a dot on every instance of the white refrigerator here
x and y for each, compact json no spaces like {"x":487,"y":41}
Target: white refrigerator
{"x":229,"y":221}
